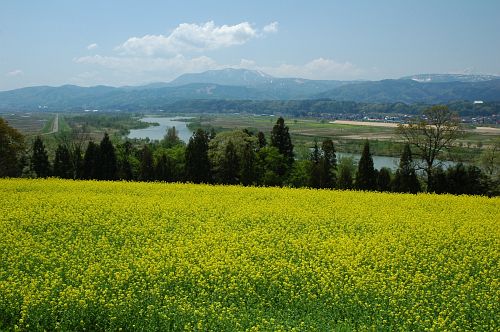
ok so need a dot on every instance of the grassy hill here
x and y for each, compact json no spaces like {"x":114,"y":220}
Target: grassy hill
{"x":81,"y":255}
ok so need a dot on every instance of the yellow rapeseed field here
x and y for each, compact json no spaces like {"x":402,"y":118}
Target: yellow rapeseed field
{"x":85,"y":255}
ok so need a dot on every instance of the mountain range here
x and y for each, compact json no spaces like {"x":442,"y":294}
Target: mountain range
{"x":243,"y":84}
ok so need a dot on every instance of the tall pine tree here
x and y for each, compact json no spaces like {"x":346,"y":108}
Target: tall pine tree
{"x":328,"y":164}
{"x":280,"y":138}
{"x":261,"y":139}
{"x":107,"y":166}
{"x":315,"y":167}
{"x":366,"y":177}
{"x":197,"y":164}
{"x":39,"y":159}
{"x":62,"y":163}
{"x":90,"y":161}
{"x":230,"y":166}
{"x":247,"y":172}
{"x":147,"y":171}
{"x":405,"y":180}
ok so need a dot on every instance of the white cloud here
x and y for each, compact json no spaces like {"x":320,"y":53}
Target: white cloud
{"x":92,"y":46}
{"x":319,"y":68}
{"x":174,"y":65}
{"x":271,"y":28}
{"x":188,"y":37}
{"x":16,"y":72}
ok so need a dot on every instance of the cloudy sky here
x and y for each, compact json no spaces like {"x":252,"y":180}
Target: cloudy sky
{"x":126,"y":42}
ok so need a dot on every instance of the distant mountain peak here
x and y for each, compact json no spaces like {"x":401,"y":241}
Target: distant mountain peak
{"x":225,"y":76}
{"x":444,"y":78}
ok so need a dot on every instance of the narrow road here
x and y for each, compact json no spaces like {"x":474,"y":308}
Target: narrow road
{"x":55,"y":126}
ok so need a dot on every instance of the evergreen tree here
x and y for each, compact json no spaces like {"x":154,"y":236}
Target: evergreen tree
{"x":346,"y":170}
{"x":11,"y":150}
{"x":438,"y":182}
{"x":197,"y":163}
{"x":405,"y":180}
{"x":90,"y":161}
{"x":261,"y":139}
{"x":125,"y":170}
{"x":230,"y":165}
{"x":247,"y":173}
{"x":107,"y":167}
{"x":384,"y":179}
{"x":62,"y":163}
{"x":77,"y":162}
{"x":280,"y":139}
{"x":147,"y":171}
{"x":315,"y":167}
{"x":366,"y":178}
{"x":164,"y":168}
{"x":328,"y":164}
{"x":40,"y":159}
{"x":477,"y":182}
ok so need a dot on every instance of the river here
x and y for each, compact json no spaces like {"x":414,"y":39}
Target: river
{"x":157,"y":132}
{"x":383,"y":161}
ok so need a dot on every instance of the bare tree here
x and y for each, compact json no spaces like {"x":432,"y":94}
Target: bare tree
{"x":433,"y":132}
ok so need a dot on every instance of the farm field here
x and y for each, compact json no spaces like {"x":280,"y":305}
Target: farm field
{"x":349,"y":136}
{"x":87,"y":255}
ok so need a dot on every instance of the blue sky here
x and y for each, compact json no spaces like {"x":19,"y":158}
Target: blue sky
{"x":90,"y":42}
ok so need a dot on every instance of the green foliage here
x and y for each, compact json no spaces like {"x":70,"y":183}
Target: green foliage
{"x":197,"y":162}
{"x":280,"y":139}
{"x":271,"y":166}
{"x":39,"y":159}
{"x":171,"y":138}
{"x":107,"y":159}
{"x":405,"y":180}
{"x":384,"y":179}
{"x":62,"y":163}
{"x":346,"y":170}
{"x":230,"y":166}
{"x":91,"y":161}
{"x":328,"y":164}
{"x":147,"y":170}
{"x":366,"y":176}
{"x":299,"y":176}
{"x":11,"y":149}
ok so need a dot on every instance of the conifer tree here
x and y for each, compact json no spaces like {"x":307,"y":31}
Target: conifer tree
{"x":197,"y":164}
{"x":346,"y":170}
{"x":164,"y":168}
{"x":384,"y":179}
{"x":328,"y":164}
{"x":261,"y":139}
{"x":125,"y":170}
{"x":62,"y":163}
{"x":247,"y":173}
{"x":147,"y":171}
{"x":77,"y":162}
{"x":40,"y":159}
{"x":11,"y":150}
{"x":366,"y":177}
{"x":90,"y":160}
{"x":280,"y":138}
{"x":405,"y":180}
{"x":230,"y":165}
{"x":315,"y":167}
{"x":107,"y":166}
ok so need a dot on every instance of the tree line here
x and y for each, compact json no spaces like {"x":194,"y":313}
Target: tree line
{"x":240,"y":157}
